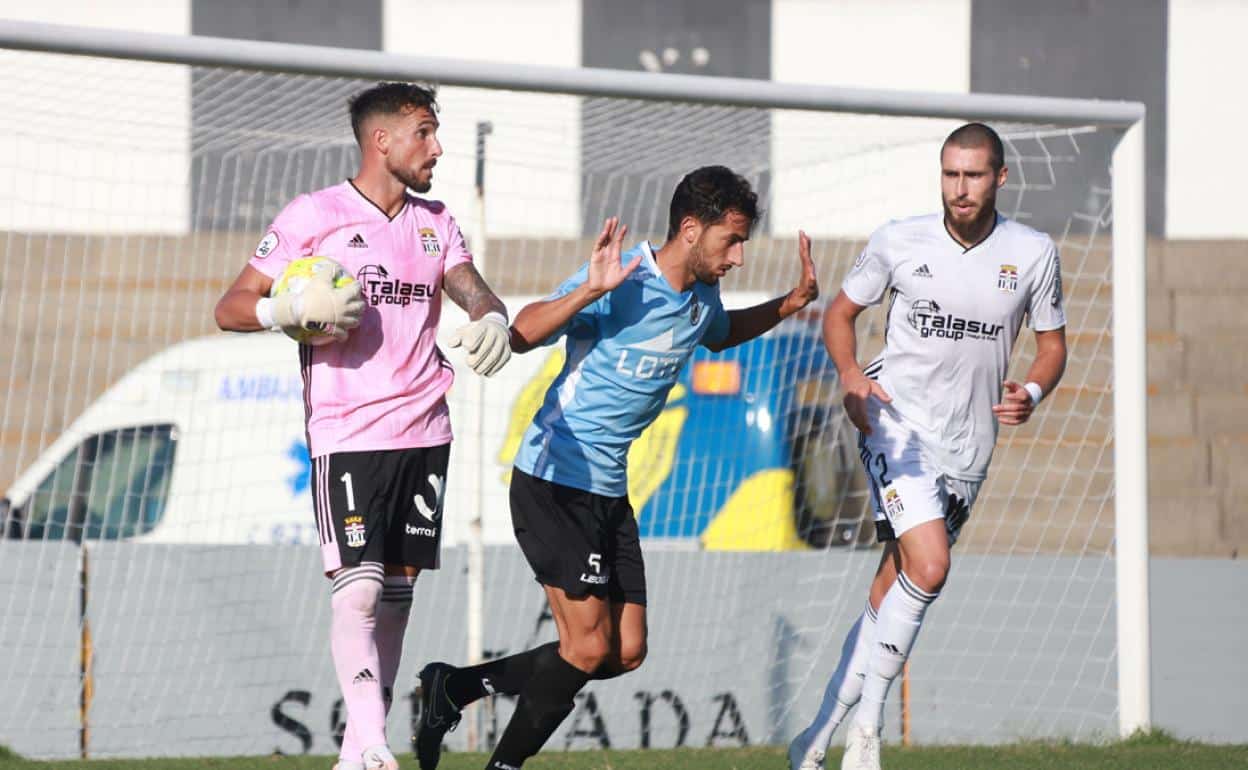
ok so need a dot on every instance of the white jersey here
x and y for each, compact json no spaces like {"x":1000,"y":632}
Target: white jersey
{"x":953,"y":316}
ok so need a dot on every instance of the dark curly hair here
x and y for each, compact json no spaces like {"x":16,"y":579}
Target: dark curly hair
{"x":389,"y":99}
{"x":707,"y":194}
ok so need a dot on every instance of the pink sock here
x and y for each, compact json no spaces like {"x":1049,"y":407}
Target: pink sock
{"x":352,"y":641}
{"x":392,"y":613}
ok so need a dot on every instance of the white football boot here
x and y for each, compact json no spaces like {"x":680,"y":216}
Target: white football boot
{"x":380,"y":758}
{"x":862,"y":749}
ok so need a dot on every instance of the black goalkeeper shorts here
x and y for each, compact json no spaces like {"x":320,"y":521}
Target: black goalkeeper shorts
{"x":383,"y":506}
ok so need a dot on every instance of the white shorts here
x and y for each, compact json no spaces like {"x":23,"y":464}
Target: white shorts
{"x":905,"y":486}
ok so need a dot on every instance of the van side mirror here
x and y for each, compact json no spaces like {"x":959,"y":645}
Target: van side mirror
{"x":10,"y":520}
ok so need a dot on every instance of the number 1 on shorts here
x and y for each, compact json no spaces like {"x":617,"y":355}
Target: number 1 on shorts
{"x":346,"y":479}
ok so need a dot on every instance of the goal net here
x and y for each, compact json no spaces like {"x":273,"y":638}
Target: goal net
{"x":161,"y":587}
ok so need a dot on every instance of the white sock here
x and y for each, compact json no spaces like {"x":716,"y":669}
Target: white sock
{"x":845,"y":687}
{"x":900,"y":616}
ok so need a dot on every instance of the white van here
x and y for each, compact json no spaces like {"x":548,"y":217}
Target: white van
{"x":204,"y":442}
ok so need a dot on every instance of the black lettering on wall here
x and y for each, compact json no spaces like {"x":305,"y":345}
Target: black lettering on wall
{"x":290,"y":724}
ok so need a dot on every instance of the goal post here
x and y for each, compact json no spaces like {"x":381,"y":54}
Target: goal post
{"x":835,"y":161}
{"x":1131,"y":431}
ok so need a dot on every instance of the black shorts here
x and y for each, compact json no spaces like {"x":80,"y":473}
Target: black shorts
{"x":578,"y":541}
{"x":383,"y":506}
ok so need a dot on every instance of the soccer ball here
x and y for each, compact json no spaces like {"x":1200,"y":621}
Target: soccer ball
{"x":295,"y":279}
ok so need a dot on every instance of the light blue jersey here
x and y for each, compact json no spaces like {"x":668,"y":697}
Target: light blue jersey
{"x":624,"y":353}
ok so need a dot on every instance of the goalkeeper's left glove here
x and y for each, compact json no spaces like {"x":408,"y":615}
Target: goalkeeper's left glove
{"x":487,"y":342}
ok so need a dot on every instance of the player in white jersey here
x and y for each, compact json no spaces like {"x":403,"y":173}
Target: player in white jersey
{"x":959,"y":285}
{"x":378,"y":428}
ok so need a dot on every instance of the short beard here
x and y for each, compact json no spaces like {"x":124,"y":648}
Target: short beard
{"x":699,"y":269}
{"x":987,"y":211}
{"x":411,"y":183}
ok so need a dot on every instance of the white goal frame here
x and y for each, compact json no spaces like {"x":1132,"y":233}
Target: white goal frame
{"x":1129,"y":239}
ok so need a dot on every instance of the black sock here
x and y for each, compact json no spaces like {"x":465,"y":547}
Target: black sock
{"x":606,"y":671}
{"x":503,"y":675}
{"x":546,"y":700}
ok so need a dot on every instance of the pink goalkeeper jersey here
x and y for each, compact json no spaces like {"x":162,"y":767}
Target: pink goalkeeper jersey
{"x":385,"y":386}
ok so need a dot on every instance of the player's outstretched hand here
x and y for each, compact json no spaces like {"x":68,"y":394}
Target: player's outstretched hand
{"x":605,"y":270}
{"x":486,"y":342}
{"x":858,"y":390}
{"x":1016,"y":405}
{"x":807,"y":289}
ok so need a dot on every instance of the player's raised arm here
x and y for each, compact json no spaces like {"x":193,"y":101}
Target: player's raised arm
{"x":841,"y":339}
{"x":484,"y":337}
{"x":747,"y":323}
{"x":1019,"y":401}
{"x":540,"y":320}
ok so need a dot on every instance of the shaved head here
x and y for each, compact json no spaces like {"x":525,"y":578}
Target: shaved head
{"x":975,"y":135}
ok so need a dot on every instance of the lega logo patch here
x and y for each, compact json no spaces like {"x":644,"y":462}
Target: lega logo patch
{"x":695,"y":312}
{"x":1056,"y":299}
{"x":267,"y":244}
{"x":429,"y":242}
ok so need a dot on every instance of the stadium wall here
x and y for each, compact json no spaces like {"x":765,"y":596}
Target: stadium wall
{"x":223,"y":674}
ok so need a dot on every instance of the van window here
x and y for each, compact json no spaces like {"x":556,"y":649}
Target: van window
{"x":111,"y":486}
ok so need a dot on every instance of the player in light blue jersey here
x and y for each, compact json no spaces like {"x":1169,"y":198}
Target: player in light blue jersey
{"x":626,"y":350}
{"x":630,"y":323}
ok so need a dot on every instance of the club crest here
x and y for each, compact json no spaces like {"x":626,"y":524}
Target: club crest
{"x":1007,"y":279}
{"x":429,"y":241}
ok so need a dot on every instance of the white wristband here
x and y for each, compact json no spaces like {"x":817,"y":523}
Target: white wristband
{"x":264,"y":313}
{"x":496,"y":317}
{"x":1035,"y":391}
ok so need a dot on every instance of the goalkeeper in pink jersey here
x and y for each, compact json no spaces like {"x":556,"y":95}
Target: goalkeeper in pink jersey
{"x":378,"y":428}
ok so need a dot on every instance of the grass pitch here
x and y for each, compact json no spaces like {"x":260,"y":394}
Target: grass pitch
{"x":1151,"y":752}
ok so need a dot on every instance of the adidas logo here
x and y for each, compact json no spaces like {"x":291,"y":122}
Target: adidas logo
{"x":364,"y":676}
{"x":357,"y":242}
{"x":922,"y":272}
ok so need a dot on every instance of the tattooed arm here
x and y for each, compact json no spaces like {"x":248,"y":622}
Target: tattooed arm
{"x":485,"y":336}
{"x":465,"y":286}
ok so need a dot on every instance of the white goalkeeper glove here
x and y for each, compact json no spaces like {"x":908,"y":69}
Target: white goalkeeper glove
{"x":487,"y":343}
{"x":319,"y":305}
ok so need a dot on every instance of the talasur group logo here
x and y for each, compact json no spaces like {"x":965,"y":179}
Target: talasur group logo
{"x":380,"y":288}
{"x":929,"y":321}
